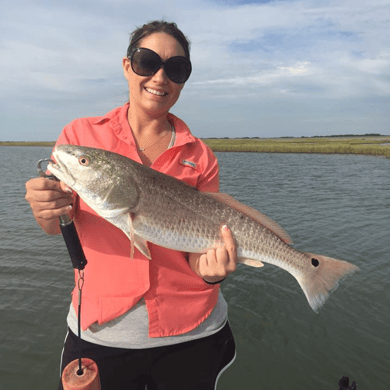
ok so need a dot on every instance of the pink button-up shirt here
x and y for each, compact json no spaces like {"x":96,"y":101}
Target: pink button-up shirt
{"x":177,"y":300}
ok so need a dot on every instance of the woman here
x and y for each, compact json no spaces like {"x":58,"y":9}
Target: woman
{"x":160,"y":323}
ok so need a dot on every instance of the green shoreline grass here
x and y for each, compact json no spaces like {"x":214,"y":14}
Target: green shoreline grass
{"x":27,"y":143}
{"x":322,"y":145}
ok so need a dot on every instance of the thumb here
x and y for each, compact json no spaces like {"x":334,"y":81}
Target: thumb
{"x":65,"y":188}
{"x":229,"y":241}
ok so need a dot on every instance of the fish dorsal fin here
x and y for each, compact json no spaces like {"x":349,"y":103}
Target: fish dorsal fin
{"x":252,"y":213}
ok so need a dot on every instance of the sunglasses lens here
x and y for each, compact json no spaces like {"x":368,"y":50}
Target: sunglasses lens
{"x":145,"y":62}
{"x":178,"y":69}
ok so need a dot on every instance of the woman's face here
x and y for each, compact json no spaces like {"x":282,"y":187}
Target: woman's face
{"x":156,"y":94}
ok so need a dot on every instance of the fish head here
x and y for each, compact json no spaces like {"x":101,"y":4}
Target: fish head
{"x":101,"y":178}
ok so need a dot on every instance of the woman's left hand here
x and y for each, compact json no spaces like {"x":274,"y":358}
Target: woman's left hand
{"x":216,"y":264}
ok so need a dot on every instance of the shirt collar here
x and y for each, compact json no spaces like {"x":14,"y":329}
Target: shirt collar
{"x":120,"y":124}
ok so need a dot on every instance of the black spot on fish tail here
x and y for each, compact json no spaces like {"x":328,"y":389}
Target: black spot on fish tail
{"x":315,"y":262}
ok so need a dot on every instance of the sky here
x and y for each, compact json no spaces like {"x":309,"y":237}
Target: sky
{"x":260,"y":68}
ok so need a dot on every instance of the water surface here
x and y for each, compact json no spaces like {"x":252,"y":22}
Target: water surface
{"x":330,"y":204}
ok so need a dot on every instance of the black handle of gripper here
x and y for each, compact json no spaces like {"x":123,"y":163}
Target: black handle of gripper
{"x":73,"y":244}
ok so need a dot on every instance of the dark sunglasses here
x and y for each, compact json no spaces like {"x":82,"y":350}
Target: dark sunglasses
{"x":146,"y":62}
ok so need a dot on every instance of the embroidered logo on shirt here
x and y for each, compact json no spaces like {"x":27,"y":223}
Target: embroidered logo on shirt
{"x":189,"y":163}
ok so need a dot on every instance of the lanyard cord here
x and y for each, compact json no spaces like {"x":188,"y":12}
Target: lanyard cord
{"x":80,"y":284}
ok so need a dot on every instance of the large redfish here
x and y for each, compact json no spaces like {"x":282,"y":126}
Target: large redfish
{"x":150,"y":206}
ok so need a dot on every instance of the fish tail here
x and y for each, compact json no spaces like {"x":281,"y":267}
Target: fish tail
{"x":323,"y":278}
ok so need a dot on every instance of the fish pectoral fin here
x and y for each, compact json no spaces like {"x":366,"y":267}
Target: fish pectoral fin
{"x":142,"y":246}
{"x":136,"y":241}
{"x":252,"y":213}
{"x":250,"y":262}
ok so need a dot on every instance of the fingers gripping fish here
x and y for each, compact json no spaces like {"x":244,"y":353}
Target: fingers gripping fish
{"x":150,"y":206}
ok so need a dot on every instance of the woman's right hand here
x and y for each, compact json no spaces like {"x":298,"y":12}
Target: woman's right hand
{"x":48,"y":200}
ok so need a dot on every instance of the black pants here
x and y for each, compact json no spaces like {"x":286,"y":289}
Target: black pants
{"x":194,"y":365}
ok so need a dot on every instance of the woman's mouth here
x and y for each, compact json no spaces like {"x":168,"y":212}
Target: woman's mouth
{"x":155,"y":92}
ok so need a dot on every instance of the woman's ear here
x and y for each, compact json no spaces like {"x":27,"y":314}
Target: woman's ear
{"x":126,"y":67}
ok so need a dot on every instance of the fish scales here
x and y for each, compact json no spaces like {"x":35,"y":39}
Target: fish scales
{"x":149,"y":206}
{"x":194,"y":225}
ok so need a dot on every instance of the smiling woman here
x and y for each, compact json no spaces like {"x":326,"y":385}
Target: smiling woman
{"x":159,"y":322}
{"x":152,"y":94}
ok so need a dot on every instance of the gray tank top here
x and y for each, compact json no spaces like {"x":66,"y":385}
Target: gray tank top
{"x":130,"y":330}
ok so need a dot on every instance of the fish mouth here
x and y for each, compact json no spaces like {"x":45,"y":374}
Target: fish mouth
{"x":60,"y":170}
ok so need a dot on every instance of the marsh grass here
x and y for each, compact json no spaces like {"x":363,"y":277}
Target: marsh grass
{"x":349,"y":145}
{"x":358,"y":145}
{"x":27,"y":143}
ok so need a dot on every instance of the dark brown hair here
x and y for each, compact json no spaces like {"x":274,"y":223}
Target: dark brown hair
{"x":158,"y":26}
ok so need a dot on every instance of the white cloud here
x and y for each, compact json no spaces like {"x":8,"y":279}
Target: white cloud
{"x":299,"y":58}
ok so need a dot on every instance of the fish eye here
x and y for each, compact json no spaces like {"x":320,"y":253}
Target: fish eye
{"x":84,"y":160}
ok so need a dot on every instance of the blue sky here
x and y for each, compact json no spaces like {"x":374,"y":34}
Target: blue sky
{"x":260,"y":68}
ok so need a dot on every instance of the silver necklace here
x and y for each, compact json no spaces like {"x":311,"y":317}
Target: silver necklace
{"x":161,"y":138}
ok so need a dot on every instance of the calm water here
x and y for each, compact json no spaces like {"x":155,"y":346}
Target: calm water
{"x":332,"y":205}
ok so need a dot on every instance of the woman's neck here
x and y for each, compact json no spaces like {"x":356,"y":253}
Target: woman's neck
{"x":143,"y":124}
{"x":152,"y":135}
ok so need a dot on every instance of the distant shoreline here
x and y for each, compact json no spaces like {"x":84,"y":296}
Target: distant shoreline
{"x":370,"y":144}
{"x":27,"y":143}
{"x":366,"y":145}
